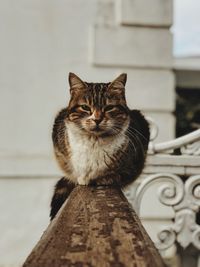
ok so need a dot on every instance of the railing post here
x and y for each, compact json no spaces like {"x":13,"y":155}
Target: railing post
{"x":95,"y":227}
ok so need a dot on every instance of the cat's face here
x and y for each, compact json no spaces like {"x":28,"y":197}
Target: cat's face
{"x":98,"y":109}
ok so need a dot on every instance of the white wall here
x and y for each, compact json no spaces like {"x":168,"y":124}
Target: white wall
{"x":24,"y":216}
{"x":41,"y":41}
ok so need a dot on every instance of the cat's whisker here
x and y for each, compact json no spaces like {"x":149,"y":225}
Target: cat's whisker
{"x":138,"y":133}
{"x":137,"y":140}
{"x":131,"y":142}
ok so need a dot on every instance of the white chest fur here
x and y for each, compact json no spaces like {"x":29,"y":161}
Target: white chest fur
{"x":90,"y":157}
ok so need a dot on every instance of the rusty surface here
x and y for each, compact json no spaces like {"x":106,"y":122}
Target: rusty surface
{"x":95,"y":228}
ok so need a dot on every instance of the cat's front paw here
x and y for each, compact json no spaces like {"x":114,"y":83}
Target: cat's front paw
{"x":82,"y":181}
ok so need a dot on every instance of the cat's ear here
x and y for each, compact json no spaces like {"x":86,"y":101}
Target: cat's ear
{"x":119,"y":83}
{"x":75,"y":82}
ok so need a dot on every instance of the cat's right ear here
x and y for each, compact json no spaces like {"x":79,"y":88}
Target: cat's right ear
{"x":75,"y":83}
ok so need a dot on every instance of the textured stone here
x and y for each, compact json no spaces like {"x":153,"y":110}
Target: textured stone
{"x":96,"y":227}
{"x":145,"y":12}
{"x":131,"y":47}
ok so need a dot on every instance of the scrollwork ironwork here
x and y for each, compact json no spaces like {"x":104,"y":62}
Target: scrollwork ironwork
{"x":192,"y":190}
{"x":166,"y":237}
{"x":192,"y":149}
{"x":184,"y":199}
{"x":196,"y":238}
{"x":171,"y":191}
{"x":189,"y":144}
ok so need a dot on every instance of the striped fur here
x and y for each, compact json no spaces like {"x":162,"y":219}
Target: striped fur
{"x":97,"y":138}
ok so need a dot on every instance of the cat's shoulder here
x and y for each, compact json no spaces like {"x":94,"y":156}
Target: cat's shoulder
{"x":137,"y":114}
{"x":59,"y":123}
{"x":60,"y":117}
{"x":139,"y":121}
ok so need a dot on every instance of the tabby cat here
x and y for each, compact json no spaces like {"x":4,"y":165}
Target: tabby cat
{"x":97,"y":139}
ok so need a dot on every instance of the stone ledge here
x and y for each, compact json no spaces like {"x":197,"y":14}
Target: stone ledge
{"x":95,"y":227}
{"x":174,"y":164}
{"x":142,"y":12}
{"x":131,"y":47}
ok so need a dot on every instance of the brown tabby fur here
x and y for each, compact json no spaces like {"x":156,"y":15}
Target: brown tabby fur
{"x":98,"y":117}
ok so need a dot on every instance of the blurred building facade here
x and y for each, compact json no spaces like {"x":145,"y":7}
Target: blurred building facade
{"x":41,"y":41}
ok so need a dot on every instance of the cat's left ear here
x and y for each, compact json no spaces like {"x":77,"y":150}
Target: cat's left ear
{"x":119,"y":83}
{"x":75,"y":82}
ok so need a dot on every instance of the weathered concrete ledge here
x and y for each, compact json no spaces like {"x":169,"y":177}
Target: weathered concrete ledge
{"x":126,"y":47}
{"x":96,"y":227}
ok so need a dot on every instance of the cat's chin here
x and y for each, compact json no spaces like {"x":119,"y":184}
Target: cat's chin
{"x":100,"y":133}
{"x":95,"y":132}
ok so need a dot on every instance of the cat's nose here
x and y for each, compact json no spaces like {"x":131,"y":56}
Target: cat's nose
{"x":97,"y":117}
{"x":97,"y":120}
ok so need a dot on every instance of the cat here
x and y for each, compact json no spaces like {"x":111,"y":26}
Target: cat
{"x":97,"y":139}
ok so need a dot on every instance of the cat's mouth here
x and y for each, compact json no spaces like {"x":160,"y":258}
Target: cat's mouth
{"x":96,"y":129}
{"x":99,"y":130}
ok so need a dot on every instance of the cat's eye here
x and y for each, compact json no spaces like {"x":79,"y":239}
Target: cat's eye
{"x":85,"y":107}
{"x":109,"y":108}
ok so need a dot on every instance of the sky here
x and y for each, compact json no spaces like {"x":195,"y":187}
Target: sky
{"x":186,"y":27}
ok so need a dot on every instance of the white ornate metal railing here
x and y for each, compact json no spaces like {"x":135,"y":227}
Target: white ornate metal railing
{"x":185,"y":200}
{"x":188,"y":144}
{"x":178,"y":178}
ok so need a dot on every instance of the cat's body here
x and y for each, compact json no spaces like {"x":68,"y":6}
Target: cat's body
{"x":93,"y":155}
{"x":97,"y":139}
